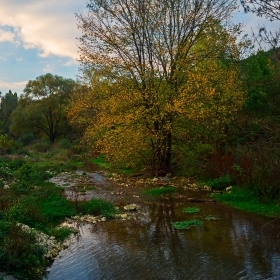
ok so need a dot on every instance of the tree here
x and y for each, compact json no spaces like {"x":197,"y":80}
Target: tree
{"x":9,"y":102}
{"x":271,"y":10}
{"x":42,"y":107}
{"x":143,"y":54}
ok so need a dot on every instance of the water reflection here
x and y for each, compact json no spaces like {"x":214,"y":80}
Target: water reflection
{"x":148,"y":247}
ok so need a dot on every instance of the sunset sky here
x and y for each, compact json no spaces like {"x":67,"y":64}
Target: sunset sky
{"x":39,"y":37}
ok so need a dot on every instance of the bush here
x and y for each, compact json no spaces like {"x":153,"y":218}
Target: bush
{"x":97,"y":207}
{"x":42,"y":146}
{"x":220,"y":183}
{"x":29,"y":174}
{"x":55,"y":208}
{"x":19,"y":253}
{"x":26,"y":139}
{"x":5,"y":144}
{"x":64,"y":144}
{"x":61,"y":233}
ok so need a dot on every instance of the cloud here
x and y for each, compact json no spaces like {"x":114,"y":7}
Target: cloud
{"x":6,"y":36}
{"x":13,"y":86}
{"x":47,"y":25}
{"x":48,"y":68}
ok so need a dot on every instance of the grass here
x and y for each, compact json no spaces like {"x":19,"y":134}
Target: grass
{"x":101,"y":161}
{"x":61,"y":233}
{"x":97,"y":207}
{"x":31,"y":200}
{"x":186,"y":224}
{"x":160,"y":191}
{"x":191,"y":210}
{"x":248,"y":200}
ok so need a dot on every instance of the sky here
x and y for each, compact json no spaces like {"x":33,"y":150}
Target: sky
{"x":40,"y":36}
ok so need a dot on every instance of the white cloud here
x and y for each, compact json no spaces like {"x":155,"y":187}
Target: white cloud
{"x":48,"y":68}
{"x":48,"y":25}
{"x":6,"y":36}
{"x":13,"y":86}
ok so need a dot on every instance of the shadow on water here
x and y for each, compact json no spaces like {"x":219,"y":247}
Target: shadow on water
{"x":238,"y":246}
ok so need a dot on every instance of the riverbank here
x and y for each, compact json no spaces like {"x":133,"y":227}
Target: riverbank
{"x":29,"y":201}
{"x":27,"y":198}
{"x":247,"y":200}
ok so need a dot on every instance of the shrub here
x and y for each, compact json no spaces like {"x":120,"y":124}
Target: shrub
{"x":97,"y":207}
{"x":64,"y":144}
{"x":5,"y":144}
{"x":55,"y":208}
{"x":41,"y":146}
{"x":26,"y":138}
{"x":61,"y":233}
{"x":220,"y":183}
{"x":19,"y":253}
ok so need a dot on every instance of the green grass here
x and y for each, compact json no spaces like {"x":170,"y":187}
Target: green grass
{"x":186,"y":224}
{"x":248,"y":200}
{"x":160,"y":191}
{"x":97,"y":207}
{"x":61,"y":233}
{"x":39,"y":204}
{"x":101,"y":161}
{"x":191,"y":210}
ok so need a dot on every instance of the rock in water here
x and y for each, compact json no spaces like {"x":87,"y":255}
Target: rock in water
{"x":130,"y":207}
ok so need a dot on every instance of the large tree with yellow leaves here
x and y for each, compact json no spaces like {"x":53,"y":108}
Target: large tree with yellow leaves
{"x":155,"y":69}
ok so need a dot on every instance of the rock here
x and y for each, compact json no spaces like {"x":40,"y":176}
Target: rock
{"x":229,"y":189}
{"x":165,"y":179}
{"x":123,"y":216}
{"x":154,"y":180}
{"x":130,"y":207}
{"x":51,"y":246}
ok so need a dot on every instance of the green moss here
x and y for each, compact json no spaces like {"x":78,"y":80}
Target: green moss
{"x":160,"y":191}
{"x":186,"y":224}
{"x":190,"y":210}
{"x":248,"y":200}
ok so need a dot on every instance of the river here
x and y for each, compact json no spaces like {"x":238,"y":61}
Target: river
{"x":238,"y":246}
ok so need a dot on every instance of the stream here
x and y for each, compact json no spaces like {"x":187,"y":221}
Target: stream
{"x":145,"y":246}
